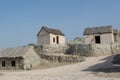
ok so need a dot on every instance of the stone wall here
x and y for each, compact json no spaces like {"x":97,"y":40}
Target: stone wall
{"x":51,"y":49}
{"x":32,"y":60}
{"x":55,"y":53}
{"x":29,"y":61}
{"x":116,"y":48}
{"x":44,"y":38}
{"x":8,"y":65}
{"x":61,"y":39}
{"x":104,"y":38}
{"x":80,"y":49}
{"x":101,"y":49}
{"x":62,"y":58}
{"x":94,"y":49}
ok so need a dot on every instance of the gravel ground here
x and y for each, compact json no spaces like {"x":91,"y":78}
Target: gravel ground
{"x":94,"y":68}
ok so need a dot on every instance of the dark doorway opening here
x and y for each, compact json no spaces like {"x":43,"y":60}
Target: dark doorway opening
{"x":97,"y":40}
{"x":57,"y":39}
{"x":3,"y":63}
{"x":53,"y":39}
{"x":13,"y":63}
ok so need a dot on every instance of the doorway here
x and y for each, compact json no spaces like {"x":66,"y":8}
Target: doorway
{"x":97,"y":40}
{"x":13,"y":64}
{"x":57,"y":38}
{"x":3,"y":64}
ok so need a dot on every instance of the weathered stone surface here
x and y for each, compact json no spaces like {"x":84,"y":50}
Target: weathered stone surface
{"x":80,"y":49}
{"x":62,"y":58}
{"x":116,"y":48}
{"x":76,"y":49}
{"x":101,"y":49}
{"x":31,"y":60}
{"x":55,"y":48}
{"x":89,"y":49}
{"x":55,"y":53}
{"x":51,"y":49}
{"x":8,"y":63}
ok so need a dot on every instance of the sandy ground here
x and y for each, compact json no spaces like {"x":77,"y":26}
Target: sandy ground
{"x":91,"y":69}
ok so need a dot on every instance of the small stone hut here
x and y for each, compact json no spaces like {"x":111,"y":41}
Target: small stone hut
{"x":99,"y":35}
{"x":19,"y":58}
{"x":50,"y":36}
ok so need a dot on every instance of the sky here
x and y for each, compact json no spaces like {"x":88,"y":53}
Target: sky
{"x":21,"y":20}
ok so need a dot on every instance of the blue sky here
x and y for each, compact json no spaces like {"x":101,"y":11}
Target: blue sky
{"x":20,"y":20}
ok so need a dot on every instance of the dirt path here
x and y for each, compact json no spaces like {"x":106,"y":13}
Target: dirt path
{"x":79,"y":71}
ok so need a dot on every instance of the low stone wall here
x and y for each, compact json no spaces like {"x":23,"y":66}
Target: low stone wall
{"x":58,"y":49}
{"x":51,"y":49}
{"x":62,"y":58}
{"x":80,"y":49}
{"x":116,"y":48}
{"x":91,"y":49}
{"x":55,"y":53}
{"x":101,"y":49}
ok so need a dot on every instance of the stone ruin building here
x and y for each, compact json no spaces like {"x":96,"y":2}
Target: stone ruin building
{"x":19,"y":58}
{"x":25,"y":57}
{"x":48,"y":36}
{"x":100,"y":35}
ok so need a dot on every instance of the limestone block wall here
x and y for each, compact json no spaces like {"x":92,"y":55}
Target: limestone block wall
{"x":43,"y":39}
{"x":32,"y":60}
{"x":61,"y":39}
{"x":101,"y":49}
{"x":104,"y":38}
{"x":54,"y":48}
{"x":80,"y":49}
{"x":62,"y":58}
{"x":107,"y":38}
{"x":89,"y":39}
{"x":116,"y":48}
{"x":90,"y":49}
{"x":8,"y":66}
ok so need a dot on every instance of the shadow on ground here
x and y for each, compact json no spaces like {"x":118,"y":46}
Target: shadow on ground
{"x":105,"y":66}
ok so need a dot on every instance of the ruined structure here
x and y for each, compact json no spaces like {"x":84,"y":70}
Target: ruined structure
{"x":50,"y":36}
{"x":99,"y":35}
{"x":97,"y":41}
{"x":19,"y":58}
